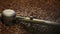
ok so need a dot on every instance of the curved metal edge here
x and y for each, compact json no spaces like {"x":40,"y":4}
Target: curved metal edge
{"x":37,"y":20}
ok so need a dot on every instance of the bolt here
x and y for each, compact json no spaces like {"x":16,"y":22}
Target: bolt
{"x":8,"y":17}
{"x":31,"y":17}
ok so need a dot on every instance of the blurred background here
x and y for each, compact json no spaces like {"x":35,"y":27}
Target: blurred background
{"x":40,"y":9}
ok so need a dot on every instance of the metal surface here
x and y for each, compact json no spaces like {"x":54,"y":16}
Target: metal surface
{"x":36,"y":20}
{"x":37,"y":26}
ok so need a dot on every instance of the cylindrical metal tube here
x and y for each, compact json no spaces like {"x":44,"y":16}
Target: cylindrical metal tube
{"x":28,"y":19}
{"x":37,"y":26}
{"x":8,"y":17}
